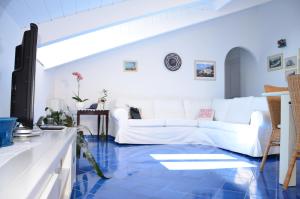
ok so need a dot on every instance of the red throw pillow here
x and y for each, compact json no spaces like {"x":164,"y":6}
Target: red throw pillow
{"x":206,"y":114}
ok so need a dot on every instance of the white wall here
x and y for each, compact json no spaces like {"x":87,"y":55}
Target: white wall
{"x":256,"y":30}
{"x":249,"y":68}
{"x":275,"y":20}
{"x":10,"y":36}
{"x":43,"y":91}
{"x":208,"y":41}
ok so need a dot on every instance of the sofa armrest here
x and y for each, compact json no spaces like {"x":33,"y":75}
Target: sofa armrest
{"x":260,"y":119}
{"x":120,"y":123}
{"x":120,"y":115}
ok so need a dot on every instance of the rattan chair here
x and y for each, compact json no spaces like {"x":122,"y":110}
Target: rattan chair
{"x":294,"y":89}
{"x":274,"y":103}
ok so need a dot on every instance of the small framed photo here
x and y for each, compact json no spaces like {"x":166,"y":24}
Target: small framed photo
{"x":290,"y":72}
{"x":275,"y":62}
{"x":290,"y":62}
{"x":205,"y":70}
{"x":298,"y":61}
{"x":130,"y":66}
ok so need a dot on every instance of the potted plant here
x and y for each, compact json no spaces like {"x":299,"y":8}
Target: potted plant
{"x":79,"y":101}
{"x":66,"y":119}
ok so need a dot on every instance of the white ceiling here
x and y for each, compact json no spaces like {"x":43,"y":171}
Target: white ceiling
{"x":100,"y":25}
{"x":39,"y":11}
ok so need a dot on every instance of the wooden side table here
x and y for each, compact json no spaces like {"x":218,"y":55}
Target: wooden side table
{"x":104,"y":113}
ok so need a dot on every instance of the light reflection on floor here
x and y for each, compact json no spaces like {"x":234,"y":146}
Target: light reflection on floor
{"x":192,"y":157}
{"x":204,"y":165}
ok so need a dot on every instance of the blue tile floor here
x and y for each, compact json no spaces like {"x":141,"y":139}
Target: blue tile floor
{"x":177,"y":172}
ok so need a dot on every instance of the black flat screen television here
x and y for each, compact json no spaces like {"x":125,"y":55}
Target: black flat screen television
{"x":23,"y":78}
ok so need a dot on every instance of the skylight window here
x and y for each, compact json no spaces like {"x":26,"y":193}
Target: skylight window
{"x":83,"y":45}
{"x":77,"y":47}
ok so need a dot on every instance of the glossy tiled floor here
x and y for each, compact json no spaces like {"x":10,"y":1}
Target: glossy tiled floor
{"x":138,"y":172}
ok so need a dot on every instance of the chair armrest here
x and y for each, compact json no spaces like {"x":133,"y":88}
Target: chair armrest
{"x":260,"y":119}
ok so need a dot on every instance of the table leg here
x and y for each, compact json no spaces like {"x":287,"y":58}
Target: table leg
{"x":78,"y":119}
{"x":98,"y":126}
{"x":106,"y":125}
{"x":287,"y":140}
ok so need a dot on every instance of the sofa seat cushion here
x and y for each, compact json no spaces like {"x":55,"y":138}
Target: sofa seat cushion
{"x":225,"y":126}
{"x":181,"y":122}
{"x":146,"y":123}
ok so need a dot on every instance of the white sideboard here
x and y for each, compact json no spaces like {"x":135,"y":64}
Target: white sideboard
{"x":46,"y":169}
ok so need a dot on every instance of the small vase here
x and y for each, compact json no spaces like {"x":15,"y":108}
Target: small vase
{"x":101,"y":106}
{"x":80,"y":105}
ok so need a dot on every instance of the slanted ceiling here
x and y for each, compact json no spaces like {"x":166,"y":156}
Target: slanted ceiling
{"x":73,"y":29}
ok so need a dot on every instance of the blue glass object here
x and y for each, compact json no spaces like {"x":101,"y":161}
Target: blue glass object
{"x":6,"y":128}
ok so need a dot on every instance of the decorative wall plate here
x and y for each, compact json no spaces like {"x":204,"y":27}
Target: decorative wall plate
{"x":172,"y":62}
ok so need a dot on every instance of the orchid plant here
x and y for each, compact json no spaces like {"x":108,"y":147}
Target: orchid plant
{"x":78,"y":77}
{"x":103,"y":98}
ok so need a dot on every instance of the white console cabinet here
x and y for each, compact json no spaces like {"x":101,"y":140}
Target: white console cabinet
{"x":45,"y":169}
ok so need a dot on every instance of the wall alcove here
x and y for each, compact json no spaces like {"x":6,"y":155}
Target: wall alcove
{"x":237,"y":78}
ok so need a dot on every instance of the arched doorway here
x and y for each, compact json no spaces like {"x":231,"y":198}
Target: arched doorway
{"x":237,"y":63}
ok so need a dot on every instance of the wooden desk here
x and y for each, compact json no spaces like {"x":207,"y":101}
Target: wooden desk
{"x":104,"y":113}
{"x":287,"y":136}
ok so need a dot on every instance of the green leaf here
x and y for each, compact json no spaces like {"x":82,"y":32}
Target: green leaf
{"x":76,"y":98}
{"x":83,"y":146}
{"x":62,"y":118}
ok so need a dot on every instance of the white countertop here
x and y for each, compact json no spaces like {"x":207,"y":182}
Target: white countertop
{"x":24,"y":173}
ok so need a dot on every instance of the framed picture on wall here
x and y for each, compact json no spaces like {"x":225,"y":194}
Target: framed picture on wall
{"x":275,"y":62}
{"x":130,"y":66}
{"x":205,"y":70}
{"x":290,"y":62}
{"x":298,"y":62}
{"x":290,"y":72}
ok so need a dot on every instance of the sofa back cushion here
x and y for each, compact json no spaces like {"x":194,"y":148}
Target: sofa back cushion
{"x":260,"y":104}
{"x":192,"y":107}
{"x":169,"y":109}
{"x":239,"y":110}
{"x":220,"y":106}
{"x":145,"y":106}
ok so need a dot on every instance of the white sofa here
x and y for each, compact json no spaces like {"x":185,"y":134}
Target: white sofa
{"x":241,"y":124}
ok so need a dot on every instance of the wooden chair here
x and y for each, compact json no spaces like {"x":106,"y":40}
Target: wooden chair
{"x":294,"y":89}
{"x":274,"y":103}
